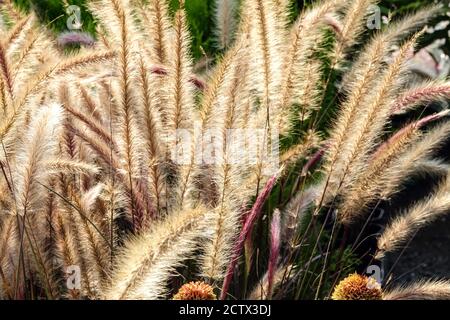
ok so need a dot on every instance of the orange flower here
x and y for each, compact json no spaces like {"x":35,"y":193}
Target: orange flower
{"x":357,"y":287}
{"x":195,"y":291}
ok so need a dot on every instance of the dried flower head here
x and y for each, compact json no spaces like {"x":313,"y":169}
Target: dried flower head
{"x":198,"y":290}
{"x":357,"y":287}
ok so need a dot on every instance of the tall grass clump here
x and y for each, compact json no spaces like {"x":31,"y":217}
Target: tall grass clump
{"x":122,"y":162}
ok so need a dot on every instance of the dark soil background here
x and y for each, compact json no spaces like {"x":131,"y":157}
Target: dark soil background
{"x":427,"y":256}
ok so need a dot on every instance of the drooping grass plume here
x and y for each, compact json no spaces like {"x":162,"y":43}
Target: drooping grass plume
{"x":375,"y":181}
{"x":68,"y":166}
{"x":295,"y":213}
{"x":369,"y":126}
{"x":405,"y":226}
{"x":154,"y":145}
{"x":420,"y":95}
{"x":405,"y":164}
{"x":422,"y":290}
{"x":179,"y":113}
{"x":222,"y":117}
{"x":265,"y":40}
{"x":28,"y":180}
{"x":358,"y":83}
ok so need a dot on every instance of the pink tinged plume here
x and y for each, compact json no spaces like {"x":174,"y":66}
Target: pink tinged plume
{"x":313,"y":161}
{"x":275,"y":241}
{"x":75,"y":38}
{"x":196,"y":81}
{"x":334,"y":23}
{"x":159,"y":70}
{"x":419,"y":95}
{"x":405,"y":130}
{"x":252,"y":217}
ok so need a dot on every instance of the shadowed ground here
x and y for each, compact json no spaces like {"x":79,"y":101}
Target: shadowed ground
{"x":427,"y":256}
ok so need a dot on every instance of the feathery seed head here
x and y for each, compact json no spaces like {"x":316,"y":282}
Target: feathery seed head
{"x":75,"y":38}
{"x":421,"y":290}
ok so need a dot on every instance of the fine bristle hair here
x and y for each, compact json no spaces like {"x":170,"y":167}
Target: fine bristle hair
{"x":422,"y":290}
{"x":368,"y":128}
{"x":118,"y":14}
{"x":31,"y":174}
{"x":374,"y":182}
{"x":147,"y":161}
{"x":304,"y":35}
{"x":421,"y":94}
{"x":179,"y":111}
{"x":357,"y":84}
{"x":406,"y":224}
{"x":147,"y":261}
{"x":355,"y":13}
{"x":224,"y":115}
{"x":405,"y":164}
{"x":226,"y":22}
{"x":155,"y":19}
